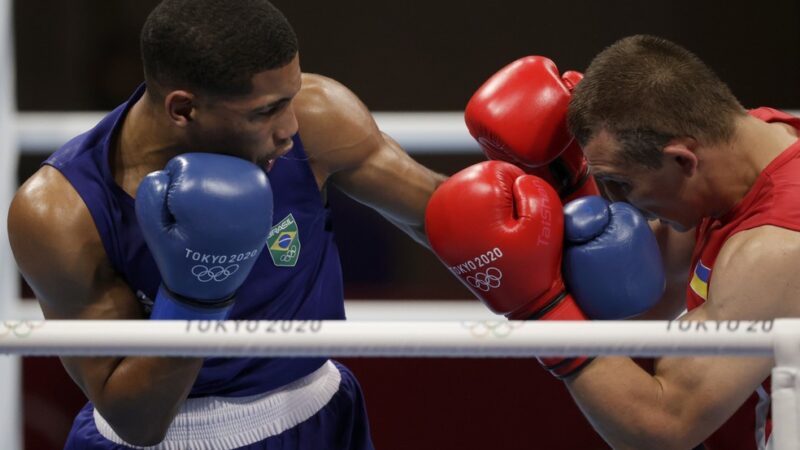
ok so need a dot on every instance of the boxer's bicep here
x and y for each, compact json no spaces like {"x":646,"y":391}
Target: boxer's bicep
{"x":59,"y":252}
{"x":700,"y":393}
{"x":678,"y":406}
{"x":346,"y":148}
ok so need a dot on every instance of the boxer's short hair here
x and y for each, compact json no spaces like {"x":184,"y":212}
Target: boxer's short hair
{"x":214,"y":46}
{"x":646,"y":90}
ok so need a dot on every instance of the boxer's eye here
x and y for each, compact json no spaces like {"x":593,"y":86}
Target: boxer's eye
{"x":617,"y":188}
{"x":623,"y":186}
{"x":273,"y":109}
{"x":268,"y":112}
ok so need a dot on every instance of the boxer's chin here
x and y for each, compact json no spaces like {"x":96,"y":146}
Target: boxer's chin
{"x":674,"y":225}
{"x":666,"y":223}
{"x":281,"y":152}
{"x":264,"y":160}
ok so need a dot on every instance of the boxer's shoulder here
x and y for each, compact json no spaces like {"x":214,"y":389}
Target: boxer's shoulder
{"x":765,"y":241}
{"x":51,"y":230}
{"x":47,"y":199}
{"x":337,"y":129}
{"x":330,"y":116}
{"x":754,"y":273}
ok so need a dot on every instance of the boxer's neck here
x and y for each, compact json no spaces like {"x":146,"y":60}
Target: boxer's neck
{"x":144,"y":144}
{"x":734,"y":167}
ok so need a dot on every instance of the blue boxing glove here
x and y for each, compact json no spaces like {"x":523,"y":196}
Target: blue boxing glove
{"x":205,"y":218}
{"x":612,"y":265}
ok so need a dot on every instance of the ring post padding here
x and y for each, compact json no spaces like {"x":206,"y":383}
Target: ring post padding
{"x":785,"y":385}
{"x":10,"y":366}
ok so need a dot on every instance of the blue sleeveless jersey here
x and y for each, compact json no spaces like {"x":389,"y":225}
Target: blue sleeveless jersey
{"x":297,"y":277}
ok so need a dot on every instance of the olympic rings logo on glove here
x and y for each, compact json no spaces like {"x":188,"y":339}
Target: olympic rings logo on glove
{"x":215,"y":273}
{"x":486,"y":281}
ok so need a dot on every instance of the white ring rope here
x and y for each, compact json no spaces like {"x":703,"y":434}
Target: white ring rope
{"x":417,"y":132}
{"x":493,"y":338}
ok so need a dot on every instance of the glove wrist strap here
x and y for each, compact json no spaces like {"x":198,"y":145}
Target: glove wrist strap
{"x":562,"y":307}
{"x":169,"y":305}
{"x":549,"y":307}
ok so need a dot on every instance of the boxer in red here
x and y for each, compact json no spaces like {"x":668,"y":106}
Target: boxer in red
{"x":721,"y":187}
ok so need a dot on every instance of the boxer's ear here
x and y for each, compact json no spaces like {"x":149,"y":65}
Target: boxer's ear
{"x":681,"y":151}
{"x":180,"y":107}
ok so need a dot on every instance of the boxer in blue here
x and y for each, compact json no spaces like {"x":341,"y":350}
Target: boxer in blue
{"x":217,"y":125}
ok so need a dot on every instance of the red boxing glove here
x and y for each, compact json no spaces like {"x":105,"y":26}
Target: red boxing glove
{"x":519,"y":115}
{"x":501,"y":233}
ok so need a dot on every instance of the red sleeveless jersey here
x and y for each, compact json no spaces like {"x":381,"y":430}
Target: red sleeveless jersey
{"x":774,"y":199}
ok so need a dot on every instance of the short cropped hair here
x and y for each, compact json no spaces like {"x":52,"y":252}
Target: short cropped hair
{"x":214,"y":46}
{"x":645,"y":91}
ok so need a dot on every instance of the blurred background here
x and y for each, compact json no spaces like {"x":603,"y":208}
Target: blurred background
{"x":82,"y":55}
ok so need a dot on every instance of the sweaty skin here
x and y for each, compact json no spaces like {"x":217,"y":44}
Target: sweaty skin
{"x":59,"y":251}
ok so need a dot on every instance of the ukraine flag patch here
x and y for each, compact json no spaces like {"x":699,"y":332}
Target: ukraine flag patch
{"x":699,"y":283}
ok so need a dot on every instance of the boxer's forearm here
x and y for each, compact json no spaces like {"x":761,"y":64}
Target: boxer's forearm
{"x":671,"y":305}
{"x":682,"y":403}
{"x":416,"y":232}
{"x":627,"y":406}
{"x":143,"y":394}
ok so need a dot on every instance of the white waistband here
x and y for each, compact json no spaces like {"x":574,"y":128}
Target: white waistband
{"x":225,"y":423}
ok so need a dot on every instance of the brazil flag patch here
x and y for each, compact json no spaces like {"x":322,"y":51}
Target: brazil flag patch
{"x":283,"y":242}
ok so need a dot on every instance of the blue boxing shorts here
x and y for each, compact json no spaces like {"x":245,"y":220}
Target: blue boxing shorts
{"x":323,"y":410}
